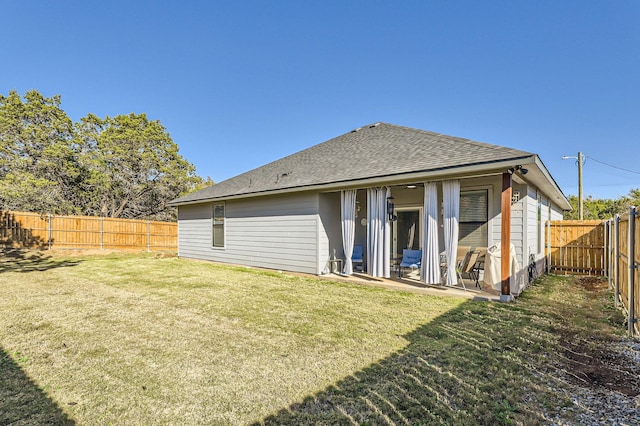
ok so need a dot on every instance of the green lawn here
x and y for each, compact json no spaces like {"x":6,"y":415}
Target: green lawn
{"x":139,"y":339}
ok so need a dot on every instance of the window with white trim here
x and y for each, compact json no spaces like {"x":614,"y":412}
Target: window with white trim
{"x":218,"y":225}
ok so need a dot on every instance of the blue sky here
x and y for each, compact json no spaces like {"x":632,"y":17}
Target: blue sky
{"x":241,"y":83}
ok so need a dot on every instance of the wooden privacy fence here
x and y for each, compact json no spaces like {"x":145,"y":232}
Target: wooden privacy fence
{"x":86,"y":232}
{"x":576,"y":247}
{"x":610,"y":248}
{"x":624,"y":265}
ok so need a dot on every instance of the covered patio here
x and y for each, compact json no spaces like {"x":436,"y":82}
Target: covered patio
{"x":432,"y":219}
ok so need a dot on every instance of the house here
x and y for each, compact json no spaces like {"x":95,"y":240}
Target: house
{"x":384,"y":187}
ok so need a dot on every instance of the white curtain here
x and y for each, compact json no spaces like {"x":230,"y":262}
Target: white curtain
{"x":430,"y":271}
{"x":386,"y":259}
{"x":378,"y":233}
{"x":451,"y":201}
{"x":348,"y":206}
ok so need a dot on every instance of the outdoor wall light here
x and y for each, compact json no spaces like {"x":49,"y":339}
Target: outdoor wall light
{"x":411,"y":186}
{"x":518,"y":169}
{"x":390,"y":209}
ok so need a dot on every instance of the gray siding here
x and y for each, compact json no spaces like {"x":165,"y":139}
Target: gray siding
{"x":495,"y":224}
{"x":329,"y":229}
{"x":536,"y":230}
{"x":194,"y":230}
{"x":279,"y":232}
{"x":540,"y":258}
{"x":532,"y":225}
{"x":299,"y":232}
{"x":545,"y":218}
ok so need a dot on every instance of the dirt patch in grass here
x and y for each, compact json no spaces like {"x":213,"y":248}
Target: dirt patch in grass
{"x":593,"y":364}
{"x":593,"y":285}
{"x":590,"y":359}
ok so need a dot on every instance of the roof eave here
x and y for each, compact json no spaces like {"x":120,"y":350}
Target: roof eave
{"x":561,"y":199}
{"x":454,"y":172}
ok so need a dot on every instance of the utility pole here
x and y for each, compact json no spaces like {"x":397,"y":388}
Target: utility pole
{"x":580,"y":202}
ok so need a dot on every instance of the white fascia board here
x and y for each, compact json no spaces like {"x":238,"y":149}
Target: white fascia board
{"x":557,"y":195}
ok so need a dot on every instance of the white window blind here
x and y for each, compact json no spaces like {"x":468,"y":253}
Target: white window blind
{"x":474,"y":215}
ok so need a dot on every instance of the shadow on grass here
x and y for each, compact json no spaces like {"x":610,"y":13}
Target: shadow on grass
{"x":22,"y":260}
{"x":22,"y":401}
{"x":481,"y":363}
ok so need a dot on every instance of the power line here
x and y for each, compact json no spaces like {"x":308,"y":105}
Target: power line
{"x":611,"y":165}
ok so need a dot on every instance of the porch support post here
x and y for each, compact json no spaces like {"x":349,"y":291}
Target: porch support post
{"x":505,"y":242}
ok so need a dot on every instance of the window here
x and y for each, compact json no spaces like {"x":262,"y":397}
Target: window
{"x":218,"y":225}
{"x":474,"y":215}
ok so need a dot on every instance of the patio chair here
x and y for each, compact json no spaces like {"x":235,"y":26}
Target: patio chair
{"x":462,"y":257}
{"x":357,"y":258}
{"x":479,"y":265}
{"x":468,"y":268}
{"x":410,"y":259}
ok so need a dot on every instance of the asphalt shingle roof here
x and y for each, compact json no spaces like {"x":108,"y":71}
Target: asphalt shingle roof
{"x":375,"y":150}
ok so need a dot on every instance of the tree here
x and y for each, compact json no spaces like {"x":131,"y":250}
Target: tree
{"x":603,"y":209}
{"x":38,"y":162}
{"x":123,"y":166}
{"x":133,"y":167}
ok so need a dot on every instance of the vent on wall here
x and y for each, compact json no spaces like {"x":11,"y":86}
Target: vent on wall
{"x":515,"y":197}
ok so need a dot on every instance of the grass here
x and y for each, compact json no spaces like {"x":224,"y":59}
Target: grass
{"x":135,"y":339}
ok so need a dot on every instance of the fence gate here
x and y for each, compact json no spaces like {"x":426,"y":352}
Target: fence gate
{"x":576,"y":247}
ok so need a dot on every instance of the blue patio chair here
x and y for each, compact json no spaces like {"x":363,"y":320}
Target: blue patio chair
{"x":357,"y":258}
{"x":410,"y":259}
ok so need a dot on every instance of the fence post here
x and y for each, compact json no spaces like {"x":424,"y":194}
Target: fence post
{"x":548,"y":246}
{"x":632,"y":268}
{"x":608,"y":253}
{"x":616,"y":257}
{"x":562,"y":253}
{"x":605,"y":249}
{"x":101,"y":233}
{"x":148,"y":236}
{"x":50,"y":230}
